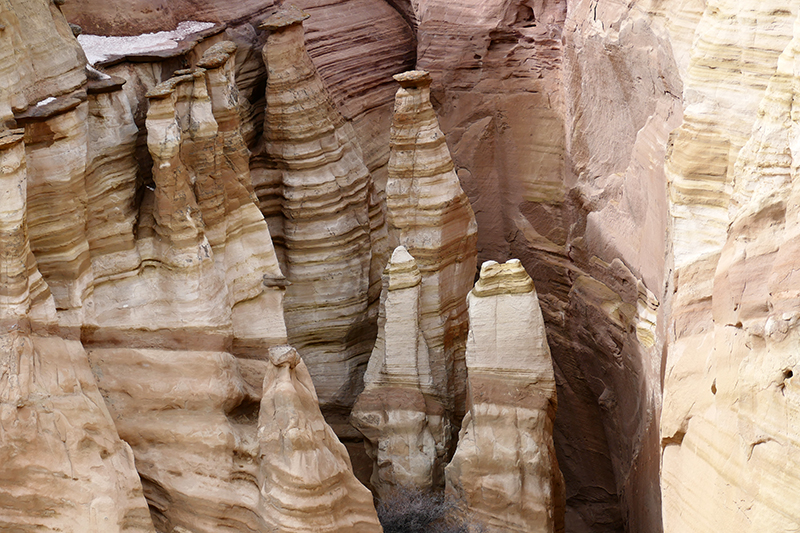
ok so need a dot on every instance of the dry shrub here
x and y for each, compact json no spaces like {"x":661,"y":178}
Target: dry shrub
{"x":410,"y":510}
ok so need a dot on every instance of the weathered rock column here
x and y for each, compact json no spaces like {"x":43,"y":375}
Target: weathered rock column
{"x":406,"y":428}
{"x":55,"y":146}
{"x":330,"y":248}
{"x":307,"y":482}
{"x":236,"y":229}
{"x":430,"y":215}
{"x":505,"y":467}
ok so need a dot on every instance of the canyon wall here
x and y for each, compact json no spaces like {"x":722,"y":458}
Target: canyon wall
{"x":637,"y":157}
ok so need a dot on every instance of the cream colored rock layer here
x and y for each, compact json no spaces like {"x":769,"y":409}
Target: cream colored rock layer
{"x":406,"y":429}
{"x":306,"y":480}
{"x":729,"y":425}
{"x":332,"y":231}
{"x":505,"y":467}
{"x":429,"y":214}
{"x":62,"y":465}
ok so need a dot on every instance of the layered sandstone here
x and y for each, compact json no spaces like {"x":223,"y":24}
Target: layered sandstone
{"x":728,"y":425}
{"x":62,"y":464}
{"x":307,"y":482}
{"x":209,"y":293}
{"x":505,"y":468}
{"x":406,"y":428}
{"x":331,"y":231}
{"x":429,"y":214}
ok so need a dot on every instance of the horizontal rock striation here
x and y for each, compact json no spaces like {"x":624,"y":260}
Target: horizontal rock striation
{"x":306,"y":479}
{"x":505,"y":467}
{"x":728,"y":426}
{"x":429,"y":214}
{"x":62,"y":464}
{"x":329,"y":241}
{"x":406,"y":429}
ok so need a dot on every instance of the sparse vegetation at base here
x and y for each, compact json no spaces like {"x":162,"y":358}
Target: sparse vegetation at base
{"x":410,"y":510}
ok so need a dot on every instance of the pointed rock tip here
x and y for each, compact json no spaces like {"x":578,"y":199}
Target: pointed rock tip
{"x":402,"y":270}
{"x":506,"y":278}
{"x":285,"y":16}
{"x":401,"y":255}
{"x":282,"y":355}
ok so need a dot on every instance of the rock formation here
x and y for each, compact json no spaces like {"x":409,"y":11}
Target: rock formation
{"x":331,"y":232}
{"x":209,"y":289}
{"x":505,"y":466}
{"x":406,"y":429}
{"x":728,"y":425}
{"x":64,"y":467}
{"x":659,"y":258}
{"x":429,"y":214}
{"x":306,"y":479}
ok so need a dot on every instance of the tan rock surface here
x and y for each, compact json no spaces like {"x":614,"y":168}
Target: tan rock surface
{"x":505,"y":467}
{"x":332,"y":241}
{"x":406,"y":428}
{"x":306,"y":479}
{"x":62,"y":464}
{"x":728,"y":425}
{"x":208,"y":289}
{"x":429,"y":214}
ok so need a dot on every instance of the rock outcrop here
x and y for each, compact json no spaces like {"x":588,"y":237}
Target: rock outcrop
{"x":406,"y":428}
{"x":331,"y":232}
{"x":62,"y":465}
{"x":505,"y":467}
{"x":429,"y":214}
{"x":209,"y":293}
{"x":728,"y":426}
{"x":306,"y":479}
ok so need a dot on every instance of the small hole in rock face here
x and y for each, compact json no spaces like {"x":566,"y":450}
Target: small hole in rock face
{"x":788,"y":373}
{"x":714,"y":387}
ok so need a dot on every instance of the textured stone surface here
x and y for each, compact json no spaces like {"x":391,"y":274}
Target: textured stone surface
{"x":728,"y":426}
{"x":332,"y":242}
{"x":406,"y":428}
{"x":306,"y":478}
{"x":505,"y":466}
{"x":429,"y":214}
{"x":62,"y":464}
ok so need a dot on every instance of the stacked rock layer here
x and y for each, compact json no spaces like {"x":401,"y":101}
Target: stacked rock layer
{"x":406,"y":428}
{"x":331,"y":238}
{"x":505,"y":466}
{"x":306,"y":479}
{"x":429,"y":214}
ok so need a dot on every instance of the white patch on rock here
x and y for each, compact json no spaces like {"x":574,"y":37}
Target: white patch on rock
{"x":101,"y":47}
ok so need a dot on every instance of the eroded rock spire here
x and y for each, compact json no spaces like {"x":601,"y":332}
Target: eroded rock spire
{"x":429,"y":214}
{"x":505,"y":467}
{"x":332,"y":250}
{"x":405,"y":426}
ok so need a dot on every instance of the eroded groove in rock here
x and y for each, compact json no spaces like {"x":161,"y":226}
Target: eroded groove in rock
{"x":429,"y":214}
{"x":511,"y":408}
{"x":407,"y":429}
{"x":62,"y":464}
{"x":331,"y":247}
{"x":306,"y":478}
{"x":730,"y":409}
